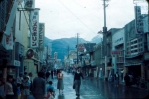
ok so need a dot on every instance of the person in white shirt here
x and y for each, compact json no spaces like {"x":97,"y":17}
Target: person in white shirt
{"x":9,"y":88}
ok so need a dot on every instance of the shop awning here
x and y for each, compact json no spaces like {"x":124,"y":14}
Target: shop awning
{"x":132,"y":64}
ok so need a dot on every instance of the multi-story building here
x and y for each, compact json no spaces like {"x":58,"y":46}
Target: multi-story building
{"x":118,"y":52}
{"x":12,"y":45}
{"x":137,"y":50}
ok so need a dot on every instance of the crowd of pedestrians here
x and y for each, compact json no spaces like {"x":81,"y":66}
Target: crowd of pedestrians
{"x":24,"y":87}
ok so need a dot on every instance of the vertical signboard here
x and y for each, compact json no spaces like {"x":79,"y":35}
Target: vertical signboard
{"x":138,"y":20}
{"x":8,"y":41}
{"x":80,"y":47}
{"x":41,"y":35}
{"x":34,"y":35}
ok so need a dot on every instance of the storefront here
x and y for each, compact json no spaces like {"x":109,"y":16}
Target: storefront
{"x":5,"y":56}
{"x":118,"y":53}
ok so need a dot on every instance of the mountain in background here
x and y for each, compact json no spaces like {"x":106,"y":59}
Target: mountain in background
{"x":61,"y":45}
{"x":97,"y":39}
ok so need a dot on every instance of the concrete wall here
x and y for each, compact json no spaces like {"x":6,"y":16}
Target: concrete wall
{"x":30,"y":67}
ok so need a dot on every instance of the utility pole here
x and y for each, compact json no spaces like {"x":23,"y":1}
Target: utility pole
{"x":68,"y":57}
{"x":68,"y":51}
{"x":77,"y":47}
{"x":104,"y":38}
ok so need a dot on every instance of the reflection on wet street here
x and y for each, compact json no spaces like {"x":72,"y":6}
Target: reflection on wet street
{"x":92,"y":88}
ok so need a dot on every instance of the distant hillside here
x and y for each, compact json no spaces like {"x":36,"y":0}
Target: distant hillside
{"x":47,"y":41}
{"x":61,"y":45}
{"x":97,"y":39}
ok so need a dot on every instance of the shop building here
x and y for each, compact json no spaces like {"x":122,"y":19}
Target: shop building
{"x":118,"y":52}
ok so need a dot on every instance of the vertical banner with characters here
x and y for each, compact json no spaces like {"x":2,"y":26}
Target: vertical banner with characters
{"x":41,"y":35}
{"x":34,"y":35}
{"x":8,"y":41}
{"x":138,"y":20}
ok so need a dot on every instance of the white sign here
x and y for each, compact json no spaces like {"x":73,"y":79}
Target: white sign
{"x":41,"y":35}
{"x":34,"y":38}
{"x":138,"y":20}
{"x":13,"y":63}
{"x":8,"y":41}
{"x":16,"y":63}
{"x":118,"y":37}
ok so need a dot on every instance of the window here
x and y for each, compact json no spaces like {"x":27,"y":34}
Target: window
{"x":135,"y":41}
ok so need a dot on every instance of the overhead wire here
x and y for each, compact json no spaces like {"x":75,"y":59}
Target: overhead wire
{"x":76,"y":17}
{"x":85,"y":10}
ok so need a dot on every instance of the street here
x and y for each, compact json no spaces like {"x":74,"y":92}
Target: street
{"x":92,"y":88}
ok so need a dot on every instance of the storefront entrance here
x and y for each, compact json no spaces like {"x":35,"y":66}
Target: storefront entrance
{"x":135,"y":71}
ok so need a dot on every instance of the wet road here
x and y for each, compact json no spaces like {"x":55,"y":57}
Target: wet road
{"x":92,"y":88}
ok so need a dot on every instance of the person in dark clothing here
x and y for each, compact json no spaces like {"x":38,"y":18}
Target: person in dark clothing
{"x":47,"y":75}
{"x":127,"y":79}
{"x":52,"y":74}
{"x":77,"y":81}
{"x":39,"y":86}
{"x":15,"y":89}
{"x":55,"y":72}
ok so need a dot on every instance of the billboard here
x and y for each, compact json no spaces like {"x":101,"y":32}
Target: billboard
{"x":34,"y":35}
{"x":80,"y":47}
{"x":138,"y":20}
{"x":8,"y":41}
{"x":41,"y":35}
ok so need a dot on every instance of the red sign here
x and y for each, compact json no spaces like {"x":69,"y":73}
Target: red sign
{"x":115,"y":52}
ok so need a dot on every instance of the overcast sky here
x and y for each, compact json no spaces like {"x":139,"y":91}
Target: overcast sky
{"x":66,"y":18}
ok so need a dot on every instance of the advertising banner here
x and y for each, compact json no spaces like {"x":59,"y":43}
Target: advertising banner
{"x":41,"y":35}
{"x":34,"y":35}
{"x":8,"y":41}
{"x":138,"y":20}
{"x":80,"y":47}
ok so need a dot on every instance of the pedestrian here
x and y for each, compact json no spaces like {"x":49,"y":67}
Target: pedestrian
{"x":77,"y":81}
{"x":116,"y":79}
{"x":47,"y":75}
{"x":9,"y":88}
{"x":2,"y":92}
{"x":15,"y":89}
{"x":49,"y":94}
{"x":26,"y":86}
{"x":18,"y":91}
{"x":51,"y":87}
{"x":20,"y":79}
{"x":39,"y":86}
{"x":52,"y":74}
{"x":131,"y":80}
{"x":30,"y":80}
{"x":60,"y":84}
{"x":127,"y":79}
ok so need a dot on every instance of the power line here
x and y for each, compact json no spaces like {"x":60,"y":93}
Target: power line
{"x":76,"y":17}
{"x":86,"y":10}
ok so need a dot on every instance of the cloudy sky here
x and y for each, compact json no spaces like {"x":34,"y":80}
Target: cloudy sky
{"x":66,"y":18}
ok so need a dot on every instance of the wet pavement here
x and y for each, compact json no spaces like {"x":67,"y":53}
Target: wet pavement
{"x":92,"y":88}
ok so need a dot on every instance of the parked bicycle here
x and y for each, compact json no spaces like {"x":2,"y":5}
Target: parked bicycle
{"x":142,"y":84}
